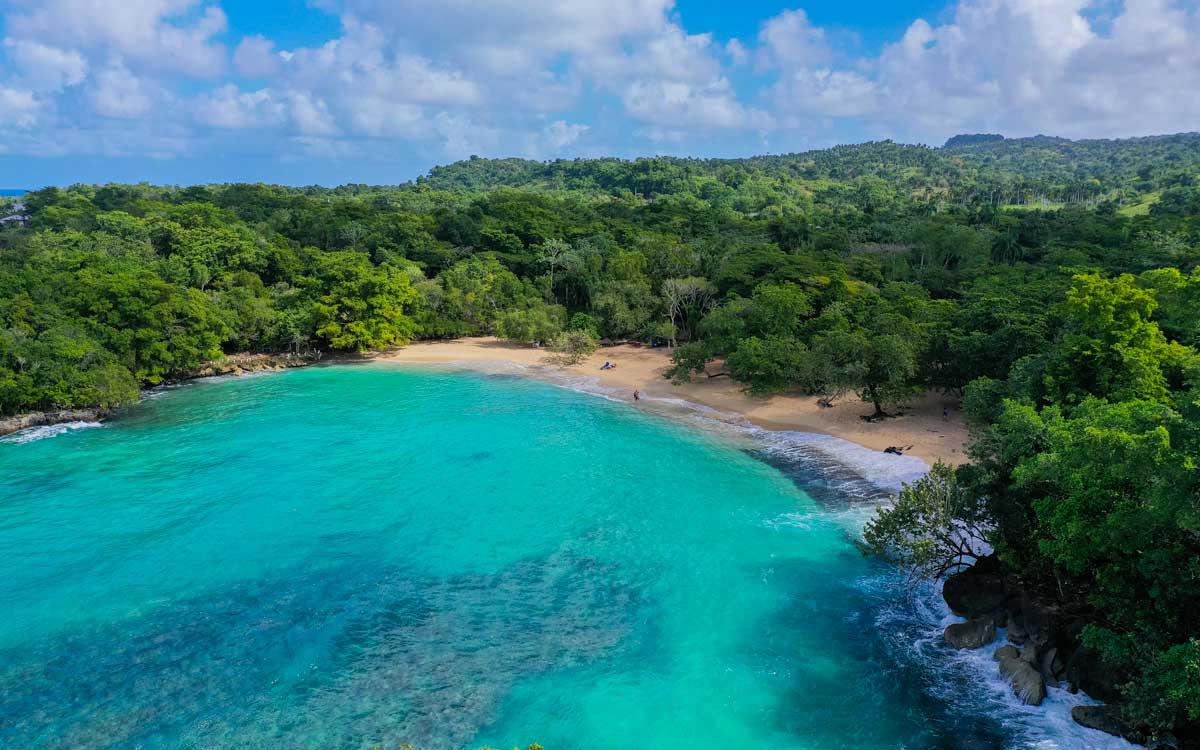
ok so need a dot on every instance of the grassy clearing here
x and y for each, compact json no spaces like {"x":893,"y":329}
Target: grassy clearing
{"x":1142,"y":208}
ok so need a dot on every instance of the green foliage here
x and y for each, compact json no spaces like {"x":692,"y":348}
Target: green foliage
{"x":687,"y":360}
{"x":538,"y":323}
{"x":581,"y":321}
{"x":935,"y":526}
{"x":362,"y":307}
{"x":1166,"y":695}
{"x":1051,"y":283}
{"x":572,"y":347}
{"x":1112,"y":348}
{"x":767,"y":365}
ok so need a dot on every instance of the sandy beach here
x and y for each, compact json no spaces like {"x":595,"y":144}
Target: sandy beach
{"x":638,"y":368}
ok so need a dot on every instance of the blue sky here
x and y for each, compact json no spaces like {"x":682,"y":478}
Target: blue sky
{"x":378,"y":91}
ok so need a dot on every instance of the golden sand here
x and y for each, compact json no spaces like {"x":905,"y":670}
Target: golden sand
{"x":920,"y":423}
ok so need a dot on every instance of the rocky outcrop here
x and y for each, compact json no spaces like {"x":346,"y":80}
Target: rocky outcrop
{"x":1026,"y":681}
{"x":978,"y":591}
{"x":971,"y":634}
{"x":1006,"y":652}
{"x":1085,"y":670}
{"x":1046,"y":642}
{"x":1107,"y":719}
{"x":43,"y":418}
{"x":233,"y":364}
{"x":239,"y":364}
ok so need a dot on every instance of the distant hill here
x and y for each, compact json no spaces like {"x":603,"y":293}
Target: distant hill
{"x":981,"y":167}
{"x":971,"y":139}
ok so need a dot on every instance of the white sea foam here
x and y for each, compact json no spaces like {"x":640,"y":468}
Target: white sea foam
{"x":1048,"y":726}
{"x":31,"y":434}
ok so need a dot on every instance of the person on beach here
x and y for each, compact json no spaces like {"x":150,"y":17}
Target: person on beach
{"x":637,"y":395}
{"x":945,"y":414}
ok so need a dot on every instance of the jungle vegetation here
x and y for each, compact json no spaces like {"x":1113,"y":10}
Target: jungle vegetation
{"x":1051,"y":284}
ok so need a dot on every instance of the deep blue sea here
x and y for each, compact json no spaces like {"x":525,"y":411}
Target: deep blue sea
{"x":11,"y":192}
{"x":362,"y":556}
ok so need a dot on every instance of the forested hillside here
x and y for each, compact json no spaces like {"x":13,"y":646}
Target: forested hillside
{"x":879,"y":270}
{"x":969,"y":170}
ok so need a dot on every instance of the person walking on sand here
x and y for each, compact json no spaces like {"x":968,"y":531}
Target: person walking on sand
{"x":637,"y":395}
{"x":945,"y":414}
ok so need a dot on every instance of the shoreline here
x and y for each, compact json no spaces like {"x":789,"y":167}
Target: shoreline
{"x":920,"y":423}
{"x":641,"y":368}
{"x":232,"y":364}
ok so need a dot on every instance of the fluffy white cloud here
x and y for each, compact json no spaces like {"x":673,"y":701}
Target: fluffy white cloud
{"x":46,"y":68}
{"x":162,"y":35}
{"x":311,"y":115}
{"x":507,"y":37}
{"x":544,"y":56}
{"x":230,"y":107}
{"x":19,"y":108}
{"x":791,"y":40}
{"x":561,"y":133}
{"x":1019,"y":67}
{"x":256,"y":57}
{"x":121,"y":94}
{"x":448,"y":78}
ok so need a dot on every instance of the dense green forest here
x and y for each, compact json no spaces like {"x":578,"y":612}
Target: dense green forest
{"x":1052,"y":284}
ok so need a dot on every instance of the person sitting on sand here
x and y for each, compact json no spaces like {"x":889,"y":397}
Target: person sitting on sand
{"x":608,"y":366}
{"x":896,"y":450}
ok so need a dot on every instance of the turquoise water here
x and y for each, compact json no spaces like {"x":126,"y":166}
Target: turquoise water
{"x":363,"y":556}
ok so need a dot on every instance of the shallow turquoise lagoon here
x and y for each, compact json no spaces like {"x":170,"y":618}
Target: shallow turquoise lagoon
{"x":363,"y":556}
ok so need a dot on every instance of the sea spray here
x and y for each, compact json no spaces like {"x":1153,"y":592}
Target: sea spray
{"x":42,"y":432}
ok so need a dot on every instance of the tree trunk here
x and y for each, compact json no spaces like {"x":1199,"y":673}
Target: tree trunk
{"x":873,"y":393}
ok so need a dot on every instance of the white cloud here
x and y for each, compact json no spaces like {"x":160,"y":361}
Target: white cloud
{"x":161,"y":36}
{"x":447,"y":78}
{"x":561,"y":133}
{"x":1019,"y":67}
{"x":255,"y":57}
{"x":509,"y":37}
{"x":19,"y":108}
{"x":737,"y":51}
{"x":119,"y":93}
{"x":229,"y":107}
{"x":311,"y":115}
{"x":789,"y":39}
{"x":46,"y":68}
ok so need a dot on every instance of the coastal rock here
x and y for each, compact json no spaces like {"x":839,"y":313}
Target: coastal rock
{"x":1086,"y":671}
{"x":972,"y":634}
{"x":1038,"y":620}
{"x":1025,"y":680}
{"x":1051,"y":665}
{"x":1016,"y":631}
{"x":1028,"y":654}
{"x":977,"y":592}
{"x":1105,"y":718}
{"x":240,"y":364}
{"x":42,"y":418}
{"x":1006,"y":652}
